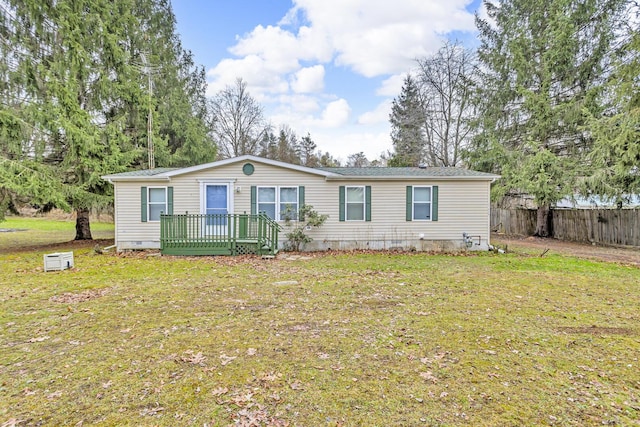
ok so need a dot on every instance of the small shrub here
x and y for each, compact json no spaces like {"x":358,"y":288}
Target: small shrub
{"x":299,"y":225}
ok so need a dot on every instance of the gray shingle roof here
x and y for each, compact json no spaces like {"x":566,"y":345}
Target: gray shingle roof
{"x":408,"y":172}
{"x":145,"y":172}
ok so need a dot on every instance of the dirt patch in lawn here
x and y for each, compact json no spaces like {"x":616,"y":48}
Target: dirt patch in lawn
{"x":626,"y":255}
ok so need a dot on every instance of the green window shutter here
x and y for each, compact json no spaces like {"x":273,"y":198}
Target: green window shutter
{"x":409,"y":203}
{"x":169,"y":200}
{"x":254,"y":200}
{"x":434,"y":203}
{"x":367,"y":203}
{"x":341,"y":201}
{"x":301,"y":200}
{"x":143,"y":204}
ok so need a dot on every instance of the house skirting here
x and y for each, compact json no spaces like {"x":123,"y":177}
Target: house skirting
{"x":418,"y":245}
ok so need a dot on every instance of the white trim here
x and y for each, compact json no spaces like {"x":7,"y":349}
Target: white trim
{"x":413,"y":202}
{"x":277,"y":200}
{"x":247,"y":158}
{"x":166,"y":202}
{"x":364,"y":203}
{"x":329,"y":176}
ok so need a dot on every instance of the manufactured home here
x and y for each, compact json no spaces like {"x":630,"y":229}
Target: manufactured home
{"x":241,"y":205}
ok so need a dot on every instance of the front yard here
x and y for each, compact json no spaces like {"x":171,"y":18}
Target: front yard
{"x":335,"y":339}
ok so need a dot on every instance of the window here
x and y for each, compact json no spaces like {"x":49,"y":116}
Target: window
{"x":157,"y":203}
{"x":422,"y":203}
{"x":355,"y":203}
{"x":288,"y":203}
{"x":286,"y":199}
{"x":267,"y":201}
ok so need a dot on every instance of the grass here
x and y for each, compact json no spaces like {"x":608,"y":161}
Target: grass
{"x":45,"y":231}
{"x":337,"y":339}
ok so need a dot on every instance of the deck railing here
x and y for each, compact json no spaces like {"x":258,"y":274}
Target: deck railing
{"x":218,"y":234}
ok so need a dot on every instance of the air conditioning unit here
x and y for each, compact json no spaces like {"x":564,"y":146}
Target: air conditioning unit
{"x":58,"y":261}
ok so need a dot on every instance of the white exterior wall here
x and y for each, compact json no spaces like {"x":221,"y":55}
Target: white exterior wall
{"x":463,"y":206}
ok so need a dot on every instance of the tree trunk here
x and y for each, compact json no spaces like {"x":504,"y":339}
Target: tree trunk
{"x":543,"y":221}
{"x":83,"y":228}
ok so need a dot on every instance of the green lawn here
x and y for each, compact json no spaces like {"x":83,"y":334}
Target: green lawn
{"x":338,"y":339}
{"x":44,"y":231}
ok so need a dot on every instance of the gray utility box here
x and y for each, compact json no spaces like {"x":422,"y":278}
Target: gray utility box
{"x":58,"y":261}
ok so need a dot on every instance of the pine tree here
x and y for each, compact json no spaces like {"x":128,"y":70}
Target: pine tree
{"x":544,"y":62}
{"x":76,"y":99}
{"x":407,"y":126}
{"x":69,"y":71}
{"x":615,"y":158}
{"x":308,"y":153}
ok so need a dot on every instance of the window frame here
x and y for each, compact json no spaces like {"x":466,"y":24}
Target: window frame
{"x":364,"y":202}
{"x":278,"y":202}
{"x":413,"y":202}
{"x":149,"y":203}
{"x":296,"y":203}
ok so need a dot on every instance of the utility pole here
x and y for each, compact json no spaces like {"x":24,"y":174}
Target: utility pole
{"x":148,"y":69}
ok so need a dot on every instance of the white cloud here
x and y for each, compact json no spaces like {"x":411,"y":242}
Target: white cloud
{"x":392,"y":86}
{"x":308,"y":80}
{"x":336,"y":113}
{"x":343,"y":143}
{"x":377,"y":37}
{"x":288,"y":66}
{"x":379,"y":115}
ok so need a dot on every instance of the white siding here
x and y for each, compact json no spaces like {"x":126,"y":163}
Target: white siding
{"x":463,"y":206}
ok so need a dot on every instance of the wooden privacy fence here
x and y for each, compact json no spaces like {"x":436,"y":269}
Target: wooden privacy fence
{"x":602,"y":226}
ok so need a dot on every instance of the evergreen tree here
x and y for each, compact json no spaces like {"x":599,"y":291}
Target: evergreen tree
{"x":407,"y":126}
{"x":67,"y":73}
{"x":308,"y":154}
{"x":76,"y":98}
{"x":358,"y":160}
{"x":177,"y":96}
{"x":615,"y":157}
{"x":544,"y":63}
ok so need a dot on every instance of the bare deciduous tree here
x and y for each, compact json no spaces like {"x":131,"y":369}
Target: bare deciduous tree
{"x":238,"y":123}
{"x":446,"y":84}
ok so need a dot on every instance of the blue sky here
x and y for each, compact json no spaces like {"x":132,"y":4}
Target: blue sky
{"x":326,"y":67}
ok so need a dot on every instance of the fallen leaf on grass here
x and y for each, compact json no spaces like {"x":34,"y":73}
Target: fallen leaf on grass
{"x":151,"y":411}
{"x":220,"y":391}
{"x":225,"y":360}
{"x":12,"y":423}
{"x":242,"y":399}
{"x":296,"y":385}
{"x":247,"y":418}
{"x":428,"y":376}
{"x":269,"y":377}
{"x":194,"y":359}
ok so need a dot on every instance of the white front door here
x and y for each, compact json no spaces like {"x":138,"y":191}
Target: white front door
{"x":216,"y":203}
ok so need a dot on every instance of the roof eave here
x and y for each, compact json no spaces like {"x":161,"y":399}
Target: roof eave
{"x":112,"y":178}
{"x":410,"y":178}
{"x":251,"y":158}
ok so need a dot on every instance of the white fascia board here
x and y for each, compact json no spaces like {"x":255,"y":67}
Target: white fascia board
{"x":249,"y":158}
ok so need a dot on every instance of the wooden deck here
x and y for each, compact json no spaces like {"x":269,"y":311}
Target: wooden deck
{"x":230,"y":234}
